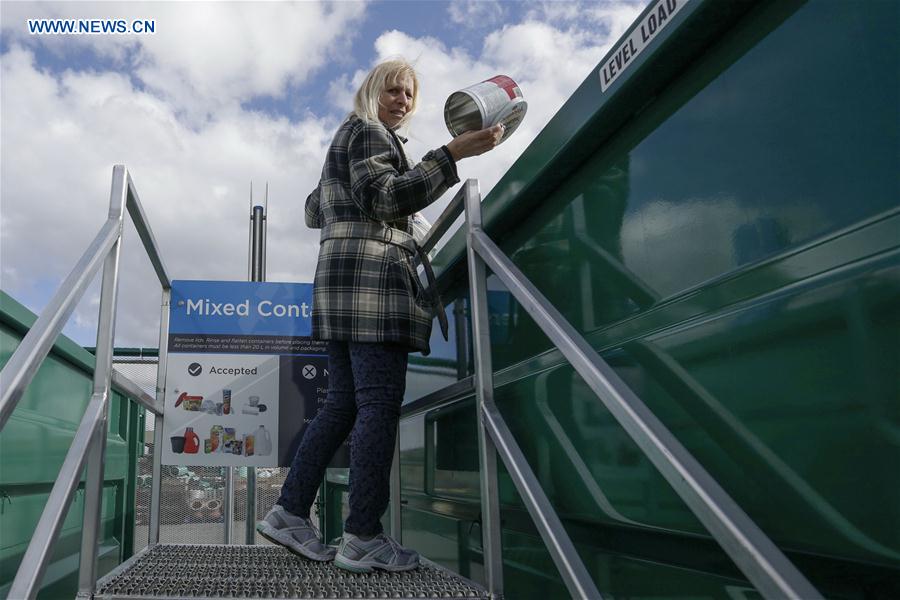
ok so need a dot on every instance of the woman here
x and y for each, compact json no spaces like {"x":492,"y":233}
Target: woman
{"x":369,"y":305}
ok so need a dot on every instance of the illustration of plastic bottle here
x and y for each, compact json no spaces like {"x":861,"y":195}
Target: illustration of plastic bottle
{"x":263,"y":441}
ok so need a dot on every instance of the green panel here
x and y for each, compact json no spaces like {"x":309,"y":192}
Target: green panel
{"x":448,"y":360}
{"x":724,"y":170}
{"x":336,"y":505}
{"x":449,"y":533}
{"x":33,"y":446}
{"x":724,"y":228}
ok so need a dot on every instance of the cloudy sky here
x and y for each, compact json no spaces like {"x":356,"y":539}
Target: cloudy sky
{"x":228,"y":93}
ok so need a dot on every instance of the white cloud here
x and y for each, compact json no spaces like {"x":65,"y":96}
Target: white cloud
{"x":613,"y":16}
{"x":548,"y":62}
{"x":645,"y":237}
{"x":174,"y":117}
{"x":206,"y":55}
{"x":193,"y":183}
{"x":476,"y":14}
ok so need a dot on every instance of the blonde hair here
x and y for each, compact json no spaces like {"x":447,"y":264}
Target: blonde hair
{"x":365,"y":103}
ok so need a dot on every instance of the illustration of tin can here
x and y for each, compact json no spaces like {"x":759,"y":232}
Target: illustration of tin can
{"x":228,"y":440}
{"x":226,"y":402}
{"x":498,"y":100}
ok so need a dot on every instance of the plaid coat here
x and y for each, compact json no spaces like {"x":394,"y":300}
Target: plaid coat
{"x":366,"y":288}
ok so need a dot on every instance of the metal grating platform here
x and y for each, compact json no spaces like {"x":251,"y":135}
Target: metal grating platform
{"x":212,"y":572}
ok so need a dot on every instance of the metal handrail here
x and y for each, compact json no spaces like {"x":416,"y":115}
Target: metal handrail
{"x":19,"y":370}
{"x":718,"y":421}
{"x":751,"y":550}
{"x":136,"y":211}
{"x":602,"y":503}
{"x":495,"y":438}
{"x":158,"y":440}
{"x":90,"y":437}
{"x":126,"y":386}
{"x":484,"y":393}
{"x":452,"y":211}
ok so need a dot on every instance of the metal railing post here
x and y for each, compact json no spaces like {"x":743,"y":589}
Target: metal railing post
{"x":257,"y":261}
{"x":228,"y":503}
{"x":106,"y":327}
{"x":159,"y":421}
{"x":396,"y":514}
{"x":484,"y":389}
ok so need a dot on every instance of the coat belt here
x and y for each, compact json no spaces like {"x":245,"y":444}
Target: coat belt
{"x":397,"y":237}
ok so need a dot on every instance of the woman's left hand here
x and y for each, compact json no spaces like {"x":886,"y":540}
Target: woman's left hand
{"x":473,"y":143}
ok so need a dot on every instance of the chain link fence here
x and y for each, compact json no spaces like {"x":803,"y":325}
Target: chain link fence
{"x":192,"y":498}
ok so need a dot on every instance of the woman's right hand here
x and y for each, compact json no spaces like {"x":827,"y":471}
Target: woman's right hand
{"x":473,"y":143}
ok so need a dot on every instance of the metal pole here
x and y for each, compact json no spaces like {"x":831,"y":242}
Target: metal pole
{"x":228,"y":472}
{"x":228,"y":504}
{"x":462,"y":340}
{"x":265,"y":228}
{"x":159,"y":420}
{"x":257,"y":273}
{"x":257,"y":237}
{"x":106,"y":327}
{"x":484,"y":389}
{"x":396,"y":516}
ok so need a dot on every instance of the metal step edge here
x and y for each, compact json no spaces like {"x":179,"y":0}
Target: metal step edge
{"x":122,"y":567}
{"x":103,"y":581}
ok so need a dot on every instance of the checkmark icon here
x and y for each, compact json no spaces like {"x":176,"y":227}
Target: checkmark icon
{"x":195,"y":369}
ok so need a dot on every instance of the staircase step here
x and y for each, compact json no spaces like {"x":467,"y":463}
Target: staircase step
{"x":220,"y":571}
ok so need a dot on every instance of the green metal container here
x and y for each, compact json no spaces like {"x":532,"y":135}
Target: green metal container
{"x":32,"y":448}
{"x":723,"y":225}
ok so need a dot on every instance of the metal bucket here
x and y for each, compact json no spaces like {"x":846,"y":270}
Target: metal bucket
{"x":496,"y":100}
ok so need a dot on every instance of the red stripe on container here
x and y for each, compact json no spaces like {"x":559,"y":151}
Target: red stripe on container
{"x":507,"y":84}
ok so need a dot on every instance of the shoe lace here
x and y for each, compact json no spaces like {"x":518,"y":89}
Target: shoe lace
{"x":309,"y":523}
{"x":395,"y":545}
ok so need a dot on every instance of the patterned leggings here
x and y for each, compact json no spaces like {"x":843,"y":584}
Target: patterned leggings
{"x":366,"y":383}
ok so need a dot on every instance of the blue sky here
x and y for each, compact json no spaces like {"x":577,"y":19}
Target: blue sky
{"x":228,"y":93}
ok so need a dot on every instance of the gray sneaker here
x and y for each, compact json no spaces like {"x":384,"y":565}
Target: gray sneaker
{"x":295,"y":533}
{"x":381,"y":552}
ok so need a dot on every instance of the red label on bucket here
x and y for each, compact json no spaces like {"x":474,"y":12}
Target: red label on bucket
{"x":507,"y":84}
